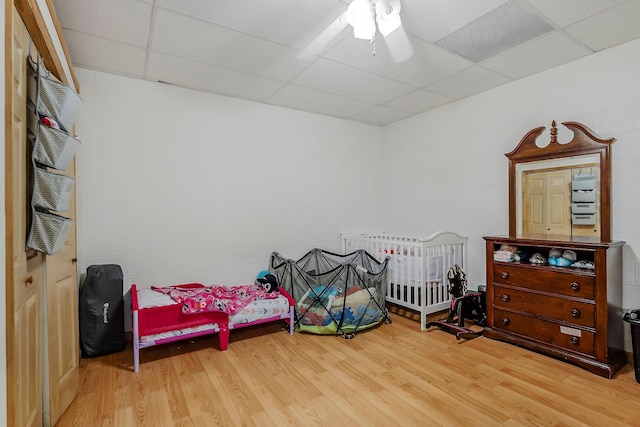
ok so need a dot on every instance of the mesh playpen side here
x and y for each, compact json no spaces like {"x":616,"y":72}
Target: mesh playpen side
{"x":417,"y":267}
{"x":334,"y":294}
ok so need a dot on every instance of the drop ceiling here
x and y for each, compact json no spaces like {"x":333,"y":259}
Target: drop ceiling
{"x":249,"y":49}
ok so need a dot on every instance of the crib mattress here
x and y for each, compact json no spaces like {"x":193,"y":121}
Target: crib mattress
{"x":257,"y":310}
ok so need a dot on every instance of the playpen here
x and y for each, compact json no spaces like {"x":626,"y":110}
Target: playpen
{"x":334,"y":293}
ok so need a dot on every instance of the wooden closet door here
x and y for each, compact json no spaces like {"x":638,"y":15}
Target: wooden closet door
{"x":559,"y":202}
{"x":25,"y":271}
{"x":24,"y":275}
{"x":547,"y":202}
{"x":534,"y":203}
{"x":62,"y":322}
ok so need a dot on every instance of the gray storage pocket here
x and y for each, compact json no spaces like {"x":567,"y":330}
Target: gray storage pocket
{"x":52,"y":98}
{"x":584,"y":219}
{"x":584,"y":181}
{"x":48,"y":232}
{"x":583,"y":196}
{"x":583,"y":208}
{"x":51,"y":190}
{"x":54,"y":148}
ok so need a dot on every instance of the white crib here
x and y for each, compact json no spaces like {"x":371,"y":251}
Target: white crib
{"x":418,"y":267}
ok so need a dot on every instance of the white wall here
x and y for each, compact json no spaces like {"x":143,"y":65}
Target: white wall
{"x":178,"y":186}
{"x":447,"y":168}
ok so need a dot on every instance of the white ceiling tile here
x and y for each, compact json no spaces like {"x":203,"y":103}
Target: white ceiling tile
{"x":567,"y":12}
{"x":248,"y":49}
{"x":361,"y":54}
{"x":204,"y":42}
{"x":105,"y":55}
{"x":418,"y":101}
{"x":305,"y":99}
{"x":468,"y":82}
{"x":339,"y":79}
{"x":289,"y":22}
{"x":541,"y":54}
{"x":613,"y":26}
{"x":125,"y":21}
{"x":381,"y":116}
{"x":209,"y":78}
{"x":429,"y":62}
{"x":431,"y":20}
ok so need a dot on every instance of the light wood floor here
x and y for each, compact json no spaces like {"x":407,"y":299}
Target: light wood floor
{"x":394,"y":375}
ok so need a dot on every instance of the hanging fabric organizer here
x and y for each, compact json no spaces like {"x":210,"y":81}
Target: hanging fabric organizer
{"x":52,"y":108}
{"x":583,"y":198}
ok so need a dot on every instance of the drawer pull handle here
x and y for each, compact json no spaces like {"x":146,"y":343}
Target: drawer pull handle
{"x":575,"y":312}
{"x":505,"y":275}
{"x":29,"y":280}
{"x":505,"y":298}
{"x":575,"y":286}
{"x":505,"y":321}
{"x":575,"y":340}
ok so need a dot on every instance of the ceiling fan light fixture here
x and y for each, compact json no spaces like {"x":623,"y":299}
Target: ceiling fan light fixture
{"x":360,"y":15}
{"x":365,"y":31}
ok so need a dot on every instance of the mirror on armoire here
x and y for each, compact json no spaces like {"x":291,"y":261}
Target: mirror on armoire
{"x":561,"y":190}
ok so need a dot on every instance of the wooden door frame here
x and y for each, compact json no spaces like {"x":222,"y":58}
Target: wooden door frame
{"x":58,"y":62}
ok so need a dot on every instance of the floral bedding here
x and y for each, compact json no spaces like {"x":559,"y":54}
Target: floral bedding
{"x":227,"y":299}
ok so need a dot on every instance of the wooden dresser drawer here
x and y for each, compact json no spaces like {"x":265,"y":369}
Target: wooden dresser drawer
{"x":568,"y":338}
{"x":546,"y":279}
{"x":562,"y":309}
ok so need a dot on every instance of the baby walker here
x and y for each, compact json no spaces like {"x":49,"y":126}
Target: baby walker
{"x":464,"y":305}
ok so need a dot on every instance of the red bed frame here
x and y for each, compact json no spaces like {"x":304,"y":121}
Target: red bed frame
{"x":155,"y":320}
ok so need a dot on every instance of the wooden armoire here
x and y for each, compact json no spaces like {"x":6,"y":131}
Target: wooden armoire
{"x":42,"y":348}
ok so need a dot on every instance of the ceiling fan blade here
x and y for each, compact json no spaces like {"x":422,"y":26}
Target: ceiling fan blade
{"x":324,"y":38}
{"x":388,"y":16}
{"x":400,"y":47}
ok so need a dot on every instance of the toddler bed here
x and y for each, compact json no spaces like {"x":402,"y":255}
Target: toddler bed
{"x":417,"y":267}
{"x":158,"y":319}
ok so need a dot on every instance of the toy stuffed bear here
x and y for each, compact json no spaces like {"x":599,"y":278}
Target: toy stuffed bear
{"x":269,"y":282}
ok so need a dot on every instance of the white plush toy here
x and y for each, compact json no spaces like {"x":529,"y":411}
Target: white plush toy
{"x":357,"y":299}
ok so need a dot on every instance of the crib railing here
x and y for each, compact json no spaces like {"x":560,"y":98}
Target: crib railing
{"x":417,"y":267}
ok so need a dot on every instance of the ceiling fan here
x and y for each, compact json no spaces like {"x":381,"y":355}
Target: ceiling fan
{"x":367,"y":17}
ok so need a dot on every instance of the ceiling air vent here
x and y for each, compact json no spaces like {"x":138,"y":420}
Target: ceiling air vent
{"x":503,"y":28}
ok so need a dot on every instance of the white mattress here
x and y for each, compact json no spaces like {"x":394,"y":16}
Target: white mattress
{"x":150,"y":298}
{"x":261,"y":309}
{"x":257,"y":310}
{"x":178,"y":332}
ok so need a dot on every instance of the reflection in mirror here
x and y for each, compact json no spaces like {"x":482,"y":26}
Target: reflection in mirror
{"x":561,"y":189}
{"x":550,"y":204}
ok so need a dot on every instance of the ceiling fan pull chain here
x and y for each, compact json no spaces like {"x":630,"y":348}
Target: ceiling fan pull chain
{"x":373,"y":42}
